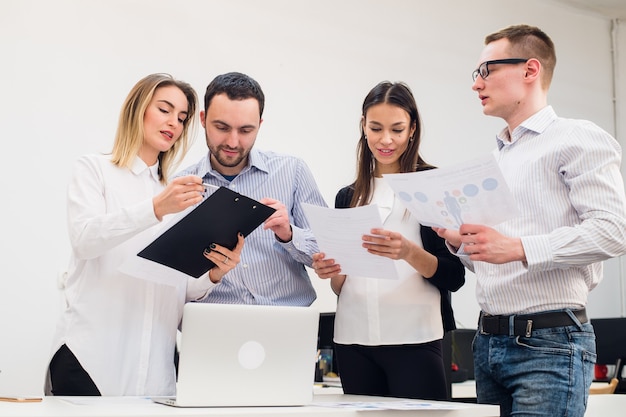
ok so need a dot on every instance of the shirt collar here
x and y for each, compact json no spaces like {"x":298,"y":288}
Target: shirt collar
{"x":255,"y":160}
{"x":384,"y":197}
{"x":139,"y":166}
{"x":536,"y":123}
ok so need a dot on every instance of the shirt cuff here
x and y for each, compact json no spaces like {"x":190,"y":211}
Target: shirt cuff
{"x":461,"y":254}
{"x":142,"y":214}
{"x":538,"y":251}
{"x":297,"y":242}
{"x":460,"y":251}
{"x":198,"y":289}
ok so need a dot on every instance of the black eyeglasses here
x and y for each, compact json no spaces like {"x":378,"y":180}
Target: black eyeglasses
{"x":483,"y":69}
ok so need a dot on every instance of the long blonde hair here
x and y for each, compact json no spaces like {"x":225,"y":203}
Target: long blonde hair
{"x":130,"y":134}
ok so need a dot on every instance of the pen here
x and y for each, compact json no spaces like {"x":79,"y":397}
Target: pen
{"x":211,"y":186}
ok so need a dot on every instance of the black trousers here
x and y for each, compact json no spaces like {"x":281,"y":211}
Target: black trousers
{"x":68,"y":377}
{"x":405,"y":371}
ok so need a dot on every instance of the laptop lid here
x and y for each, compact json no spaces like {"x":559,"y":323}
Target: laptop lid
{"x":246,"y":355}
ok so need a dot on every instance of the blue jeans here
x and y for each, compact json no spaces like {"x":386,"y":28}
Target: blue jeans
{"x":547,"y":374}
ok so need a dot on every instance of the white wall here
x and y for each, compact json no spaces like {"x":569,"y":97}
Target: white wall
{"x":609,"y":299}
{"x":67,"y":65}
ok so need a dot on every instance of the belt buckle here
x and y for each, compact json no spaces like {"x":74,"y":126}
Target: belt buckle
{"x":480,"y":325}
{"x":529,"y":328}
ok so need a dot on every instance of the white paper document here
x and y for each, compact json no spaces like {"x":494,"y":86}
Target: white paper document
{"x":473,"y":192}
{"x":339,"y":235}
{"x":393,"y":405}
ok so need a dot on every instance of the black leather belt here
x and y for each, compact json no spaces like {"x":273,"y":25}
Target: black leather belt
{"x":524,"y":324}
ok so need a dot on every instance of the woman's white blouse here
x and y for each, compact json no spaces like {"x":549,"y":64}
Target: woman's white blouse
{"x":121,"y":328}
{"x":374,"y":311}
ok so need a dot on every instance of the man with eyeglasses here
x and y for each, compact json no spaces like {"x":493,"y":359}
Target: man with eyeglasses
{"x":535,"y":348}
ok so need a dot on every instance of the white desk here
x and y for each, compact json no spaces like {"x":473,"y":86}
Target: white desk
{"x":606,"y":405}
{"x":465,"y":389}
{"x":134,"y":407}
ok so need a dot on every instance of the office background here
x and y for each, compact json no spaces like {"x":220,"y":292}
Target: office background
{"x":67,"y":65}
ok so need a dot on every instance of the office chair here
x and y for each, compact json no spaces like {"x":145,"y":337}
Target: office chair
{"x":608,"y":389}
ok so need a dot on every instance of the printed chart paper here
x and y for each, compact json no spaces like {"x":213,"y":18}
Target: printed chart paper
{"x":473,"y":192}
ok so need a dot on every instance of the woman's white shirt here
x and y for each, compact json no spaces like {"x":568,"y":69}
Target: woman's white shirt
{"x":373,"y":311}
{"x":121,"y":328}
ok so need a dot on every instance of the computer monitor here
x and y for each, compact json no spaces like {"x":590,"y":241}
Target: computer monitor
{"x":611,"y":346}
{"x":610,"y":339}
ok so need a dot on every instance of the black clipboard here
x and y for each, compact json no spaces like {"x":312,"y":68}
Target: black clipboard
{"x":217,"y":219}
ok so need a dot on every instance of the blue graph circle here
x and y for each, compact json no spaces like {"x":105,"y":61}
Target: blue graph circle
{"x":404,"y":196}
{"x":490,"y":184}
{"x":421,"y":197}
{"x":470,"y":190}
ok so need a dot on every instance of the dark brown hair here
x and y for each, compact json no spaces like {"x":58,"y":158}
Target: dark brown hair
{"x":236,"y":86}
{"x":400,"y":95}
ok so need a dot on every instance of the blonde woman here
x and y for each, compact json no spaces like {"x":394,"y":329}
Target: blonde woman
{"x":116,"y":334}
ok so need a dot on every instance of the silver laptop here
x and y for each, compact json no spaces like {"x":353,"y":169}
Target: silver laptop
{"x":245,"y":355}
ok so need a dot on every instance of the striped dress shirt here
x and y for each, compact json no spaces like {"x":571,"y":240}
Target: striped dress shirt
{"x":270,"y":272}
{"x":565,"y":177}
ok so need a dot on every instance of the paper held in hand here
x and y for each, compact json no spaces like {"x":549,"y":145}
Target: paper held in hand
{"x":473,"y":192}
{"x":339,"y":235}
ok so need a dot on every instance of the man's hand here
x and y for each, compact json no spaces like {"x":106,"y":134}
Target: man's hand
{"x":488,"y":245}
{"x":453,"y":237}
{"x":279,"y":221}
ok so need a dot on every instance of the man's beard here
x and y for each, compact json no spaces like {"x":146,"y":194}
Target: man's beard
{"x":227,"y":162}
